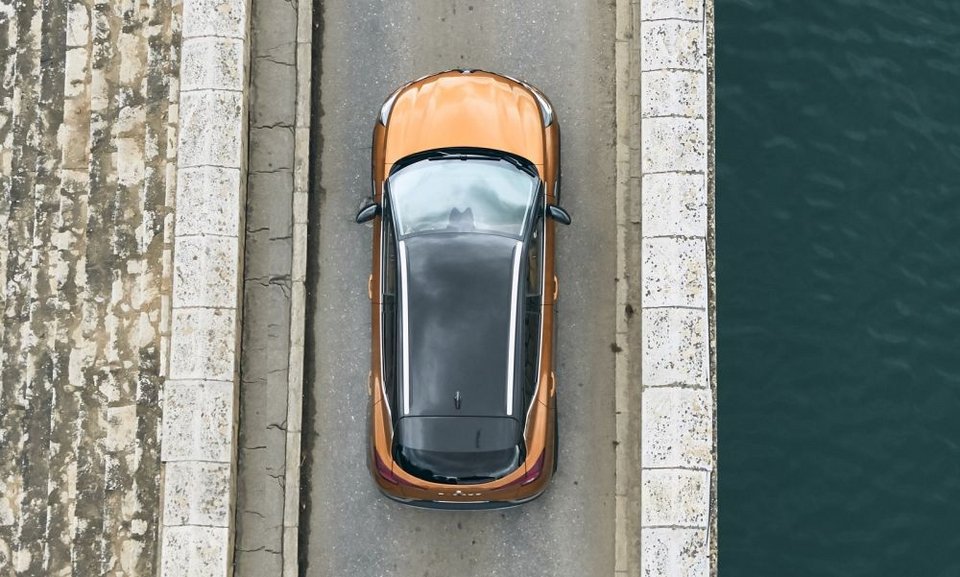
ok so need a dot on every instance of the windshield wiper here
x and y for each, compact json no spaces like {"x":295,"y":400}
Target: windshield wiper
{"x":441,"y":155}
{"x":446,"y":155}
{"x":528,"y":168}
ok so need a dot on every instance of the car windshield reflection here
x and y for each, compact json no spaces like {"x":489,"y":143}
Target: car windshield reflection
{"x":477,"y":195}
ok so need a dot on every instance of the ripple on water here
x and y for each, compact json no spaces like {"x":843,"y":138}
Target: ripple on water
{"x":838,"y":167}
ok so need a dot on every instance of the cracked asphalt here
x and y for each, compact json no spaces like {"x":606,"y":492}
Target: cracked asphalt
{"x":268,"y":250}
{"x":368,"y":48}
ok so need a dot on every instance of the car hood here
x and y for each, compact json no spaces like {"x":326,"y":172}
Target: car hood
{"x":455,"y":109}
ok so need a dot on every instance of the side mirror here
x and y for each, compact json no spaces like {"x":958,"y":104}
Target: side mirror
{"x":368,"y":213}
{"x":558,"y":214}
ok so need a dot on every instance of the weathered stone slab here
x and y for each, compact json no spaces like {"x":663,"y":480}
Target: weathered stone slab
{"x":215,"y":18}
{"x":672,"y":552}
{"x":263,"y":212}
{"x":274,"y":31}
{"x":291,"y":548}
{"x":673,"y":93}
{"x":272,"y":273}
{"x":198,"y":421}
{"x":206,"y":271}
{"x":212,"y":63}
{"x":303,"y":79}
{"x":670,"y":9}
{"x":674,"y":205}
{"x":675,"y":348}
{"x":211,"y":129}
{"x":260,"y":508}
{"x":674,"y":272}
{"x":121,"y":437}
{"x":258,"y":561}
{"x":195,"y":551}
{"x":208,"y":201}
{"x":675,"y":497}
{"x":672,"y":44}
{"x":674,"y":145}
{"x":202,"y":344}
{"x":270,"y":150}
{"x":75,"y":69}
{"x":78,"y":26}
{"x":197,"y":493}
{"x":677,"y":428}
{"x":270,"y":79}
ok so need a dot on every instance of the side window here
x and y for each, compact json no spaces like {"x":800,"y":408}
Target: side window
{"x":533,"y":260}
{"x":388,"y":320}
{"x":389,"y":255}
{"x":531,"y":316}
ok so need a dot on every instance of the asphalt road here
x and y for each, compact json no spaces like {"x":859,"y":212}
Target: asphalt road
{"x":369,"y":48}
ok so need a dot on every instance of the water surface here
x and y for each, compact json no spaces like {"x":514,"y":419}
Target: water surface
{"x":838,"y":218}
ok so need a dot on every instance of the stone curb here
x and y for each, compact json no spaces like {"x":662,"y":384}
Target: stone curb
{"x":678,"y":437}
{"x":199,"y":432}
{"x":712,"y":267}
{"x":301,"y":173}
{"x":629,"y":324}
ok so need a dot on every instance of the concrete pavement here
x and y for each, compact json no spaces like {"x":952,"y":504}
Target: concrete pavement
{"x":267,"y":290}
{"x":368,"y":49}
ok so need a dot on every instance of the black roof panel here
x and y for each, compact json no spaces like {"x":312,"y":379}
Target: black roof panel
{"x":459,"y":296}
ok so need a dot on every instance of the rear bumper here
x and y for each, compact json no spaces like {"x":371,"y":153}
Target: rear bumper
{"x":460,"y":505}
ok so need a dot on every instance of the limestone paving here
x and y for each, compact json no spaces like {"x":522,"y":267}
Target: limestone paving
{"x":200,"y":410}
{"x":678,"y":502}
{"x":89,"y":97}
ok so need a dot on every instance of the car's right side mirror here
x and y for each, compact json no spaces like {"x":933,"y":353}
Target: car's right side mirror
{"x":558,"y":214}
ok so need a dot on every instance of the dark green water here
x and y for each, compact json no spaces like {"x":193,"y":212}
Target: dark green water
{"x":838,"y":239}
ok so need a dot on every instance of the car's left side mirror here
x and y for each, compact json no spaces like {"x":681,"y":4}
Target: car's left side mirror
{"x":558,"y":214}
{"x":368,"y":213}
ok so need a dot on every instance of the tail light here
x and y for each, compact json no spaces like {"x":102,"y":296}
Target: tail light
{"x":532,"y":474}
{"x":384,"y":471}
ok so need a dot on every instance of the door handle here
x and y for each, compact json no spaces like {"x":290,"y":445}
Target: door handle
{"x":370,"y":287}
{"x":556,"y":288}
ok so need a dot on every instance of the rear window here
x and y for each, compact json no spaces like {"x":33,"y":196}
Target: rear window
{"x":458,"y":468}
{"x":458,"y":449}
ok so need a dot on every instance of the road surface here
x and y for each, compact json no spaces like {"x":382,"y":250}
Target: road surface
{"x":369,"y":48}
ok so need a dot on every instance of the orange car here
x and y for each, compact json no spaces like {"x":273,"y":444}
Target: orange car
{"x":466,"y":180}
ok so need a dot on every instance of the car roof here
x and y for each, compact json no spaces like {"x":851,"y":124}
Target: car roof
{"x":459,"y":300}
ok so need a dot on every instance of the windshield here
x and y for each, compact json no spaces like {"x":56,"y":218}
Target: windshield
{"x":476,"y":195}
